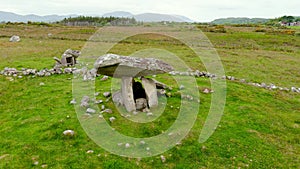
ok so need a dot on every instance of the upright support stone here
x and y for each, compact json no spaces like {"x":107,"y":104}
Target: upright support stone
{"x":151,"y":92}
{"x":127,"y":94}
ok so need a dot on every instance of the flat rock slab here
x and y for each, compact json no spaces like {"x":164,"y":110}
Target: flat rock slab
{"x":151,"y":92}
{"x":126,"y":66}
{"x":127,"y":94}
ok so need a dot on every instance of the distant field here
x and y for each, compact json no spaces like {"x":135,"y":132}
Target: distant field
{"x":259,"y":128}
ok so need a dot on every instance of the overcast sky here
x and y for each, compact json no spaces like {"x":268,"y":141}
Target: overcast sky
{"x":198,"y":10}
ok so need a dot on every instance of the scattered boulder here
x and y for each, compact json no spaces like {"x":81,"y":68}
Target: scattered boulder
{"x":106,"y":94}
{"x":73,"y":101}
{"x":104,"y":78}
{"x":127,"y":145}
{"x":163,"y":158}
{"x":109,"y":111}
{"x":90,"y":111}
{"x":69,"y":133}
{"x":207,"y":91}
{"x":181,"y":87}
{"x":85,"y":101}
{"x":15,"y":38}
{"x":90,"y":151}
{"x":112,"y":119}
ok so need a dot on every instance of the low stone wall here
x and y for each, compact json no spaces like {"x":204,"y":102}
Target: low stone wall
{"x":91,"y":74}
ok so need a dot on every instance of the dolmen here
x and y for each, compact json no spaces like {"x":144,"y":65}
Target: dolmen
{"x":135,"y":94}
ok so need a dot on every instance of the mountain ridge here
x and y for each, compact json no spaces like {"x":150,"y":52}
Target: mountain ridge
{"x":144,"y":17}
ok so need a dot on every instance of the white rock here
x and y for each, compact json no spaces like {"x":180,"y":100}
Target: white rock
{"x":69,"y":133}
{"x":127,"y":145}
{"x":112,"y":119}
{"x":90,"y":110}
{"x":42,"y":84}
{"x":90,"y":152}
{"x":104,"y":78}
{"x":163,"y":158}
{"x":106,"y":94}
{"x":15,"y":38}
{"x":98,"y":101}
{"x":73,"y":101}
{"x":181,"y":87}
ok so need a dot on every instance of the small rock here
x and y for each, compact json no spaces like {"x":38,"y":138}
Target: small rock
{"x":90,"y":152}
{"x":36,"y":163}
{"x":127,"y":145}
{"x":84,"y":104}
{"x":69,"y":133}
{"x":106,"y":94}
{"x":102,"y":107}
{"x":90,"y":111}
{"x":107,"y":111}
{"x":242,"y":80}
{"x":112,"y":119}
{"x":73,"y":101}
{"x":104,"y":78}
{"x":294,"y":89}
{"x":85,"y":99}
{"x":149,"y":114}
{"x":96,"y":94}
{"x":163,"y":158}
{"x":42,"y":84}
{"x":98,"y":101}
{"x":44,"y":166}
{"x":15,"y":38}
{"x":181,"y":87}
{"x":207,"y":91}
{"x":142,"y":142}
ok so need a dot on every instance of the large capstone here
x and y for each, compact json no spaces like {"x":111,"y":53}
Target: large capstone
{"x":126,"y":66}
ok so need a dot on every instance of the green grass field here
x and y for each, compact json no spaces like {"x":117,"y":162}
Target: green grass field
{"x":259,"y":129}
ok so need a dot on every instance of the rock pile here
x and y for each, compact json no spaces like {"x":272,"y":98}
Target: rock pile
{"x":34,"y":72}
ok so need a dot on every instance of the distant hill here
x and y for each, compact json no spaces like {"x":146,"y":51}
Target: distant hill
{"x":12,"y":17}
{"x":150,"y":17}
{"x":154,"y":17}
{"x":145,"y":17}
{"x":239,"y":21}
